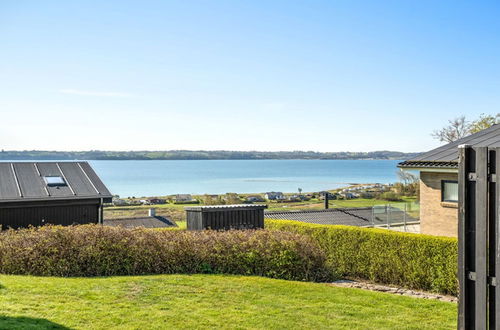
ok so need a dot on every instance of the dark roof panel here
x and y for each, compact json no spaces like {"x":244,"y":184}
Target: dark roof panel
{"x":491,"y":142}
{"x":31,"y":183}
{"x":77,"y":179}
{"x":47,"y":169}
{"x":224,"y":207}
{"x":447,"y":155}
{"x":22,"y":181}
{"x":51,"y":169}
{"x":147,"y":222}
{"x":90,"y":174}
{"x":349,"y":217}
{"x":8,"y":185}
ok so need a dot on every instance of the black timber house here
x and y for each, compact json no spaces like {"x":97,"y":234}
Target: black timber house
{"x":39,"y":193}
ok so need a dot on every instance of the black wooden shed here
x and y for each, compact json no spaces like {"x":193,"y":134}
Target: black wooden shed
{"x":225,"y":217}
{"x":38,"y":193}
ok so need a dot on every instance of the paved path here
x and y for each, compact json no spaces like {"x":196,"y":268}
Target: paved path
{"x":394,"y":290}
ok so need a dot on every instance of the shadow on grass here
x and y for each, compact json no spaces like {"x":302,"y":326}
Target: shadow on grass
{"x":22,"y":322}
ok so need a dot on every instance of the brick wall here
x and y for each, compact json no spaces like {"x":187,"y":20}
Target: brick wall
{"x":436,"y":217}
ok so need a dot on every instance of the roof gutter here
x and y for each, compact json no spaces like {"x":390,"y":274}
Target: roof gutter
{"x":106,"y":199}
{"x":430,"y":169}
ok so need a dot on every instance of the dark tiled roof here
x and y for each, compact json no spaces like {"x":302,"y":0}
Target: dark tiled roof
{"x":442,"y":165}
{"x":147,"y":222}
{"x":447,"y":156}
{"x":226,"y":207}
{"x":24,"y":181}
{"x":350,"y":217}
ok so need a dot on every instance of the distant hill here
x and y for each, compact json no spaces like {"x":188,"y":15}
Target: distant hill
{"x":196,"y":155}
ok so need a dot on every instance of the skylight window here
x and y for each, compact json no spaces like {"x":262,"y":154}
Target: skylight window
{"x":54,"y":181}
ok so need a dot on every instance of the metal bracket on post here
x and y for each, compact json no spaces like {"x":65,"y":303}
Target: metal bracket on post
{"x":471,"y":276}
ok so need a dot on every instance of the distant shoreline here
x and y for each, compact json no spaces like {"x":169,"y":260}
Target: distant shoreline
{"x":154,"y":178}
{"x":202,"y":155}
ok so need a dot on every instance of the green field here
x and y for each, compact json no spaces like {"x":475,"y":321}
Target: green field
{"x":208,"y":301}
{"x":362,"y":202}
{"x":176,"y":212}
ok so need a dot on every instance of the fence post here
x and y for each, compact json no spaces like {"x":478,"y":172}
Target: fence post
{"x":373,"y":216}
{"x":466,"y":286}
{"x":388,"y":212}
{"x":404,"y":217}
{"x":476,"y":232}
{"x":326,"y":200}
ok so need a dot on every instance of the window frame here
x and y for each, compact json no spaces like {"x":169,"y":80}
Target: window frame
{"x":443,"y":182}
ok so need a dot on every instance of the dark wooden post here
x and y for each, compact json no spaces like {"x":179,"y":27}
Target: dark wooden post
{"x":478,"y":238}
{"x":326,"y":200}
{"x":481,"y":238}
{"x":495,"y":218}
{"x":465,"y":315}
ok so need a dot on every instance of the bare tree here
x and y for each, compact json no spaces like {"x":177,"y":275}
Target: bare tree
{"x":407,"y":177}
{"x":409,"y":185}
{"x":457,"y":129}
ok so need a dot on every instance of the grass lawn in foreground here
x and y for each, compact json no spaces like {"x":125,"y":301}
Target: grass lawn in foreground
{"x":208,"y":301}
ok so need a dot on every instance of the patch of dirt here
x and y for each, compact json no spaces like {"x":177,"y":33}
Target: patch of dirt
{"x":393,"y":290}
{"x":134,"y":291}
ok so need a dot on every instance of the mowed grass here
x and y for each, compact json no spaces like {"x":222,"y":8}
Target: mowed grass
{"x":363,"y":202}
{"x":208,"y":301}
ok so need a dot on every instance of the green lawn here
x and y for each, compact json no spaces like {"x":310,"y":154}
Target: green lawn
{"x":362,"y":202}
{"x":208,"y":301}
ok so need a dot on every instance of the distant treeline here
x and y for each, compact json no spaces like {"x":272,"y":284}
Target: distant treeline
{"x":196,"y":155}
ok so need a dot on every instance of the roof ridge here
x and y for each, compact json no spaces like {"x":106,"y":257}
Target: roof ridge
{"x":449,"y":152}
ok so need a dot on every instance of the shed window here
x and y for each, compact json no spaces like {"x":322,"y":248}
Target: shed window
{"x":449,"y":191}
{"x":54,"y":181}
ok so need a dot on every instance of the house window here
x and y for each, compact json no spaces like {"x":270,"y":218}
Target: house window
{"x":54,"y":181}
{"x":449,"y":191}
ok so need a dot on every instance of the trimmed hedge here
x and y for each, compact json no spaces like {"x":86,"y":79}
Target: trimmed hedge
{"x":94,"y":250}
{"x":411,"y":260}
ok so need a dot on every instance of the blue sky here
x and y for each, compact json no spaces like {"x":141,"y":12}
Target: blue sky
{"x":243,"y":75}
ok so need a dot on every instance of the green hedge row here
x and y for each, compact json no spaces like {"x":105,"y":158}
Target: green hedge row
{"x":94,"y":250}
{"x":411,"y":260}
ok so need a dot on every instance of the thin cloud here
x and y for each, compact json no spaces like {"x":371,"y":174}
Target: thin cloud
{"x":93,"y":93}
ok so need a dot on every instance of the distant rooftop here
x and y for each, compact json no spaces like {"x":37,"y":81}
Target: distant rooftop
{"x":146,"y":222}
{"x":446,"y":157}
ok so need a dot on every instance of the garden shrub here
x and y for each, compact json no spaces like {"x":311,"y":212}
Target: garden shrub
{"x":390,"y":196}
{"x":411,"y":260}
{"x":94,"y":250}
